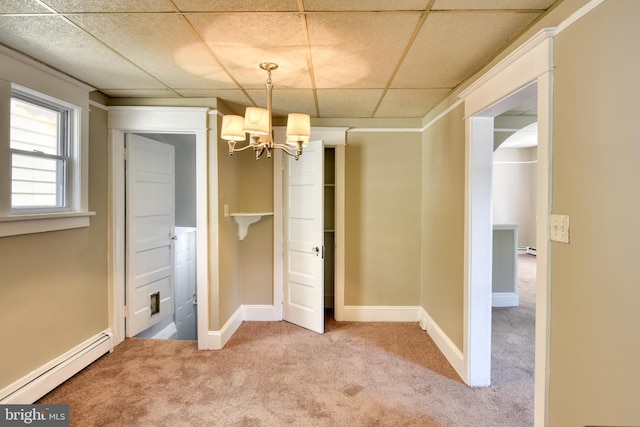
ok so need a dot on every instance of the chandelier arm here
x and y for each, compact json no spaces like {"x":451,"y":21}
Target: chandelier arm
{"x":284,"y":148}
{"x":242,"y":148}
{"x":287,"y":149}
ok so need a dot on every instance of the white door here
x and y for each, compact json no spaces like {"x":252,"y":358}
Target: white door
{"x":185,"y":285}
{"x":150,"y":213}
{"x":303,"y":239}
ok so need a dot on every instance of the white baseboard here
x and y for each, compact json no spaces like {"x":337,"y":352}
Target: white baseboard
{"x":362,"y":313}
{"x":216,"y":340}
{"x":505,"y":299}
{"x":41,"y":381}
{"x":450,"y":351}
{"x":259,"y":313}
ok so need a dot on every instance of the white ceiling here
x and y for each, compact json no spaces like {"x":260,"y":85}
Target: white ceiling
{"x":518,"y":127}
{"x":337,"y":58}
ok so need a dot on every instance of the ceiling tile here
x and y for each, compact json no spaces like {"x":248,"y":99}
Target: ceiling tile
{"x":22,"y":6}
{"x":286,"y":101}
{"x":232,"y":95}
{"x":178,"y":61}
{"x":410,"y":102}
{"x":71,"y":50}
{"x":358,"y":50}
{"x":243,"y":41}
{"x":377,"y":5}
{"x":491,"y":4}
{"x":70,"y":6}
{"x":348,"y":102}
{"x":452,"y":46}
{"x":140,"y":93}
{"x":239,"y":6}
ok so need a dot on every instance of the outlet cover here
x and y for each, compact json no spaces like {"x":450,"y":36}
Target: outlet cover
{"x":560,"y":228}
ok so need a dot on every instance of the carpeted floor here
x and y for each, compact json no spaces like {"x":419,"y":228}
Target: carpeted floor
{"x":277,"y":374}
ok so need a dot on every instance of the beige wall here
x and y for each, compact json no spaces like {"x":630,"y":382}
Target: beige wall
{"x":255,"y":180}
{"x":595,"y":292}
{"x":443,"y":149}
{"x":382,"y":223}
{"x":246,"y":267}
{"x":514,"y":191}
{"x":53,"y":286}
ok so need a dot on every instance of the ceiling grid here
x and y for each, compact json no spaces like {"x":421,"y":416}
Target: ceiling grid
{"x":337,"y":58}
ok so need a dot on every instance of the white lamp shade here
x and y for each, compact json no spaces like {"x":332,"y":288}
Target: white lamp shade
{"x":298,"y":126}
{"x":232,"y":128}
{"x":256,"y":121}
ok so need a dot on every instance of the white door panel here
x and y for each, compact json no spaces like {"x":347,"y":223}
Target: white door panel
{"x":185,"y":286}
{"x":150,"y":207}
{"x":304,"y":237}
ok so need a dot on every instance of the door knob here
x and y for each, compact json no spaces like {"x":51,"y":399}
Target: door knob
{"x":316,"y":249}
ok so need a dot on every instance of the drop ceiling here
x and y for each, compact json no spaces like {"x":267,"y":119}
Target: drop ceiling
{"x":337,"y":58}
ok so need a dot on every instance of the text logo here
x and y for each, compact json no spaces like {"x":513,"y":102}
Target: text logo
{"x":34,"y":415}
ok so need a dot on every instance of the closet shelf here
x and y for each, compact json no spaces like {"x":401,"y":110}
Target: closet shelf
{"x":245,"y":219}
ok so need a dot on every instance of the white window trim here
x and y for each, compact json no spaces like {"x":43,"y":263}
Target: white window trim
{"x":20,"y":72}
{"x":27,"y":224}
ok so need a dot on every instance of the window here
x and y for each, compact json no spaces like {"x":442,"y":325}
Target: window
{"x":41,"y":150}
{"x":43,"y":183}
{"x":44,"y":149}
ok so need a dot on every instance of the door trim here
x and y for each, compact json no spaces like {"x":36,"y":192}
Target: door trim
{"x":167,"y":120}
{"x":529,"y":69}
{"x":332,"y":137}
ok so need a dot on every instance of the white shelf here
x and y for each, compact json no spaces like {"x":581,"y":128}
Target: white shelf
{"x":245,"y":219}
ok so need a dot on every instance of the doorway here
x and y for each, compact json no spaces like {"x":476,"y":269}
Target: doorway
{"x":181,"y":322}
{"x":514,"y":248}
{"x":329,"y":231}
{"x":157,"y":120}
{"x":526,"y":72}
{"x":333,"y":138}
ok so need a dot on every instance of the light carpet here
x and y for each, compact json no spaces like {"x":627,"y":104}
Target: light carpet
{"x":278,"y":374}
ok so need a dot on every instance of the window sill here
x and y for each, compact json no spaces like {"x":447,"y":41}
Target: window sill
{"x":29,"y":224}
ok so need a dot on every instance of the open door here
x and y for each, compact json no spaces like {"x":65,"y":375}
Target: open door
{"x":303,"y":290}
{"x":150,"y":224}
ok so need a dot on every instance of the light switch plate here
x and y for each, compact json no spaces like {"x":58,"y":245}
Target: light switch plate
{"x":226,"y":210}
{"x":560,"y":228}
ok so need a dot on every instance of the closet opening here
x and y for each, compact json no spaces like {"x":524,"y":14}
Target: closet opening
{"x":329,"y":232}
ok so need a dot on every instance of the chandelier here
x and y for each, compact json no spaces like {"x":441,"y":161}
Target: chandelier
{"x":257,"y":122}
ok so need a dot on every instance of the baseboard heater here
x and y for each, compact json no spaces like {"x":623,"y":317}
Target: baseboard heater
{"x":526,"y":250}
{"x":41,"y":381}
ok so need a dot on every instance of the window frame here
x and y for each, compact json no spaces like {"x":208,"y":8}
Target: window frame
{"x":67,"y":140}
{"x":18,"y":221}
